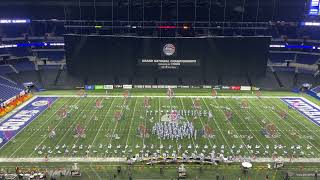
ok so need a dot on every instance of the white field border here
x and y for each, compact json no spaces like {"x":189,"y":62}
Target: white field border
{"x":165,"y":96}
{"x":124,"y":160}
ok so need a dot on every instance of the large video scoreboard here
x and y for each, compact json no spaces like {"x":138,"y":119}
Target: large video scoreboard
{"x":90,"y":56}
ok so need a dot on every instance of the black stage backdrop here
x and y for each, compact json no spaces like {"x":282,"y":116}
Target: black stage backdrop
{"x":90,"y":56}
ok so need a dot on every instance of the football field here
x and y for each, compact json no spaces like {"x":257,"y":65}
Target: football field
{"x":143,"y":125}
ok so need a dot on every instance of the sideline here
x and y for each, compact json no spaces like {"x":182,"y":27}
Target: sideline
{"x":124,"y":160}
{"x":164,"y":96}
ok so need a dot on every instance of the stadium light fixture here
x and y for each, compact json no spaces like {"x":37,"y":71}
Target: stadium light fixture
{"x":167,"y":27}
{"x":277,"y":46}
{"x":185,"y":27}
{"x":40,"y":44}
{"x":14,"y":21}
{"x":311,"y":23}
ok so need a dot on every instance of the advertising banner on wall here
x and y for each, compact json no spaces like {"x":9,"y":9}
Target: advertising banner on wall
{"x":255,"y":88}
{"x":99,"y":87}
{"x":117,"y":86}
{"x":138,"y":86}
{"x":245,"y":88}
{"x":225,"y":87}
{"x":127,"y":86}
{"x":184,"y":87}
{"x":217,"y":87}
{"x":108,"y":87}
{"x":235,"y":88}
{"x":89,"y":87}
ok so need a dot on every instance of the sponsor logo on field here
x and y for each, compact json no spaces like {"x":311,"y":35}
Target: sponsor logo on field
{"x":11,"y":126}
{"x":40,"y":103}
{"x":18,"y":120}
{"x":305,"y":107}
{"x":169,"y":49}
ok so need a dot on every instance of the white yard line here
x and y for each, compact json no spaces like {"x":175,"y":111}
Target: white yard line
{"x":37,"y":129}
{"x":48,"y":135}
{"x":145,"y":122}
{"x":306,"y":100}
{"x":208,"y":108}
{"x":160,"y":149}
{"x":243,"y":120}
{"x":76,"y":120}
{"x":293,"y":142}
{"x":95,"y":172}
{"x":203,"y":127}
{"x":171,"y":109}
{"x":117,"y":122}
{"x":183,"y":108}
{"x":104,"y":119}
{"x":280,"y":129}
{"x":134,"y":110}
{"x":294,"y":127}
{"x":177,"y":149}
{"x":263,"y":114}
{"x":87,"y":122}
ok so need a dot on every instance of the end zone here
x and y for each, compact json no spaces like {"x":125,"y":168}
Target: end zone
{"x":15,"y":123}
{"x":304,"y":107}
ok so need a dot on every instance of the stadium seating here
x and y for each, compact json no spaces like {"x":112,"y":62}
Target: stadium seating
{"x":284,"y":69}
{"x":7,"y":81}
{"x":5,"y":69}
{"x":143,"y":81}
{"x":51,"y":55}
{"x":307,"y":78}
{"x":21,"y":52}
{"x":235,"y":81}
{"x":280,"y":57}
{"x":8,"y":89}
{"x":192,"y":81}
{"x":168,"y":81}
{"x":307,"y":59}
{"x":24,"y":65}
{"x":316,"y":89}
{"x":52,"y":76}
{"x":268,"y":82}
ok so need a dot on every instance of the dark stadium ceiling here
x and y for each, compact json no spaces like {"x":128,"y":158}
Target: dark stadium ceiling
{"x":197,"y":10}
{"x":289,"y":3}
